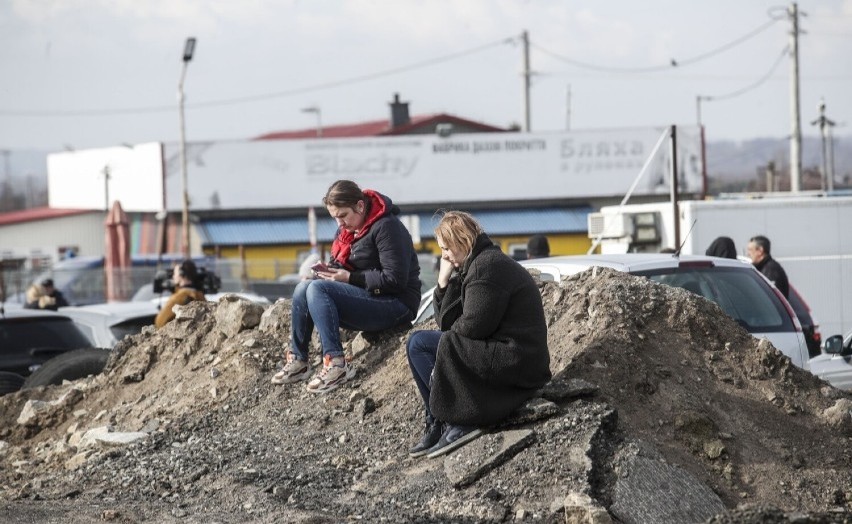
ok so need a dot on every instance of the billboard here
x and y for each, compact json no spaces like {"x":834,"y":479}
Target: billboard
{"x":412,"y":169}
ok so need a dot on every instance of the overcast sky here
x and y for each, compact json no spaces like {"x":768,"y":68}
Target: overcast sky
{"x":98,"y":73}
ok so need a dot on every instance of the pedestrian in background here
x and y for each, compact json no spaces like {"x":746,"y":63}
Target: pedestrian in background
{"x":187,"y":289}
{"x":758,"y":251}
{"x":722,"y":247}
{"x":45,"y":296}
{"x":538,"y":247}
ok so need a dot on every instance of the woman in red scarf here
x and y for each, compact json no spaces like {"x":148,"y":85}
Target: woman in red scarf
{"x":372,"y":283}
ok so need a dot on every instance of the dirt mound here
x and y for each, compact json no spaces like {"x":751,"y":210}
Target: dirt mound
{"x":184,"y":426}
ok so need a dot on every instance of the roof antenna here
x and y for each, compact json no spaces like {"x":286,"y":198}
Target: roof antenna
{"x":680,"y":247}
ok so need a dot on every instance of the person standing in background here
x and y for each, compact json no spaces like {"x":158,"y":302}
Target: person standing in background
{"x":722,"y":247}
{"x":758,"y":251}
{"x":184,"y":275}
{"x":538,"y":247}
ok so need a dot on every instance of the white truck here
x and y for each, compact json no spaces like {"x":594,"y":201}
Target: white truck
{"x":811,"y":238}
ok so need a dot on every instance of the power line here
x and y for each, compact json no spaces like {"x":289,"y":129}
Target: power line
{"x":671,"y":64}
{"x":266,"y":96}
{"x":751,"y":86}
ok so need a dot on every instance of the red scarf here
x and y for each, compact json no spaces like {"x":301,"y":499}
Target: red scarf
{"x":342,"y":245}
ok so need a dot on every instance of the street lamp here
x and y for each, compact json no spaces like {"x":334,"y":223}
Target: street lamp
{"x":825,"y":124}
{"x":318,"y":112}
{"x":188,"y":50}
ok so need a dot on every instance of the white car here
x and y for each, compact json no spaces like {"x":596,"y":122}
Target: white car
{"x":106,"y":324}
{"x":736,"y":286}
{"x":146,"y":294}
{"x":832,"y":363}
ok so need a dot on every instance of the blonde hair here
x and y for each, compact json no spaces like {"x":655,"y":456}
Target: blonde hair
{"x":458,"y":230}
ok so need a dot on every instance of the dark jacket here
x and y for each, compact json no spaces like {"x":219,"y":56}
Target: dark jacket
{"x":493,"y":355}
{"x":774,"y":272}
{"x":722,"y":247}
{"x":383,"y":260}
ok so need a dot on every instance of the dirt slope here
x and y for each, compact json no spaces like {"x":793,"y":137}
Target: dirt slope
{"x":665,"y":370}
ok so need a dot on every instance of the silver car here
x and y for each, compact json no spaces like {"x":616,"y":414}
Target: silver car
{"x":736,"y":286}
{"x":107,"y":324}
{"x":833,"y":364}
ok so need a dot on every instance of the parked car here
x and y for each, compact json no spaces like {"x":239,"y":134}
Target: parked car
{"x":107,"y":324}
{"x":837,"y":352}
{"x":810,"y":327}
{"x":737,"y":287}
{"x":145,"y":293}
{"x":30,"y":338}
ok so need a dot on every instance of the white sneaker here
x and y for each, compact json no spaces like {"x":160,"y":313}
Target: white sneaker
{"x":294,"y":370}
{"x":331,"y":375}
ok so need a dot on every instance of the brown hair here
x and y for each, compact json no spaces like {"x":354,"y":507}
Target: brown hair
{"x":344,"y":193}
{"x":458,"y":230}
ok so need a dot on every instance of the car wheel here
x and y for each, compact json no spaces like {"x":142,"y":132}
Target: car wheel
{"x":10,"y":382}
{"x":68,"y":366}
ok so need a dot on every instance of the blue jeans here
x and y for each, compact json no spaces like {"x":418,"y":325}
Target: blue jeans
{"x":330,"y":305}
{"x":422,"y":349}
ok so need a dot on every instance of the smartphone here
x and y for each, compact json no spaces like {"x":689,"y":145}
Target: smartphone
{"x":319,"y":266}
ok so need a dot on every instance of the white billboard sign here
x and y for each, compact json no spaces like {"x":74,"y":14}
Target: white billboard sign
{"x":411,"y":169}
{"x":423,"y":169}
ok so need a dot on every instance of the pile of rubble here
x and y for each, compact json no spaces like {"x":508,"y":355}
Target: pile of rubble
{"x":662,"y":409}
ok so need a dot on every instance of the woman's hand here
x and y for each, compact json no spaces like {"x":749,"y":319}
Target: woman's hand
{"x":444,"y":273}
{"x":338,"y":275}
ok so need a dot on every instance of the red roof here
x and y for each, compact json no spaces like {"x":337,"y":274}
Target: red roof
{"x":379,"y":127}
{"x":38,"y":213}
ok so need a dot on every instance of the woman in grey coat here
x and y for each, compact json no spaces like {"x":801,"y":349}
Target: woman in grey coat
{"x":490,"y":355}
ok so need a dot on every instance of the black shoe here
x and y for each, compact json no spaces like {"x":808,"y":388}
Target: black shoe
{"x":431,"y":435}
{"x":453,"y":437}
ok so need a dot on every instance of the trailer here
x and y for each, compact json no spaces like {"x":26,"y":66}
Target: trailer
{"x":811,"y":238}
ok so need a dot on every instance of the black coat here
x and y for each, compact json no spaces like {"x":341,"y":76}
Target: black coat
{"x":772,"y":270}
{"x":493,"y":353}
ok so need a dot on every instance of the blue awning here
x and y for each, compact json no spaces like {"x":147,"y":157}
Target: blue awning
{"x":294,"y":230}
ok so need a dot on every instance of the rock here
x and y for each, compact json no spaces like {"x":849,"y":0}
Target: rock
{"x":648,"y":489}
{"x":120,"y":438}
{"x":275,"y":319}
{"x":579,"y":508}
{"x":470,"y":462}
{"x":560,"y":389}
{"x":33,"y":411}
{"x":532,"y":410}
{"x":235,"y":314}
{"x":840,"y":415}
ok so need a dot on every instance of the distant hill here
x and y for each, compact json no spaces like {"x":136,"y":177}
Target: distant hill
{"x":732,"y":163}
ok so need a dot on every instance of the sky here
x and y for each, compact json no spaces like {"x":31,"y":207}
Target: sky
{"x":78,"y":74}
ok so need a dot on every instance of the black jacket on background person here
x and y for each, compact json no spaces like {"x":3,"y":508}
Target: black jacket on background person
{"x":493,"y":354}
{"x":774,"y":272}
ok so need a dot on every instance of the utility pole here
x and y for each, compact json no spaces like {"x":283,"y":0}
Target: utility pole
{"x":795,"y":113}
{"x":525,"y":38}
{"x":825,"y":124}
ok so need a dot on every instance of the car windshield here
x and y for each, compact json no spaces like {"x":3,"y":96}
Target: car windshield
{"x":740,"y":293}
{"x":131,"y":326}
{"x":41,"y":333}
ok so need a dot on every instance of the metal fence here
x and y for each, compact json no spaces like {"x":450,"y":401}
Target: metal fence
{"x":88,"y":285}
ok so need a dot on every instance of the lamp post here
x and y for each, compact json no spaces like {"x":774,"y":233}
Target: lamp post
{"x":318,"y":112}
{"x":188,"y":50}
{"x":825,"y":124}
